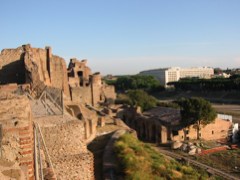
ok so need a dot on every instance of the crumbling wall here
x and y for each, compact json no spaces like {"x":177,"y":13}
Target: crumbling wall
{"x":12,"y":68}
{"x":35,"y":66}
{"x":87,"y":87}
{"x":109,"y":92}
{"x":45,"y":69}
{"x":17,"y":136}
{"x":213,"y":131}
{"x":96,"y":85}
{"x":81,"y":95}
{"x":58,"y":71}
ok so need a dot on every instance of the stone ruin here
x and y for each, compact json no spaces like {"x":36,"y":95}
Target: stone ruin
{"x":85,"y":86}
{"x":34,"y":67}
{"x":36,"y":87}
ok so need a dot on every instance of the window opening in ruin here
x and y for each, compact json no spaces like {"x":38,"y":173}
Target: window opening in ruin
{"x":212,"y":132}
{"x":71,"y":74}
{"x":187,"y":131}
{"x":187,"y":138}
{"x":175,"y":133}
{"x":80,"y":75}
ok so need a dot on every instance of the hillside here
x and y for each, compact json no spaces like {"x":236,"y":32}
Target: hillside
{"x":140,"y":161}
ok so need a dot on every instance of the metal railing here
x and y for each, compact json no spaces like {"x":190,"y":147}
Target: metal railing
{"x":39,"y":144}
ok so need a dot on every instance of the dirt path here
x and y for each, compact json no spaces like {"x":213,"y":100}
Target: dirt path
{"x":97,"y":147}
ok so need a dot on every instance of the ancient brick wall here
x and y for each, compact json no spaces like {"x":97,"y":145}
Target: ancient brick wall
{"x":12,"y":68}
{"x":51,"y":69}
{"x":214,"y":131}
{"x":35,"y":66}
{"x":81,"y":95}
{"x":17,"y":134}
{"x":58,"y":73}
{"x":109,"y":92}
{"x":85,"y":86}
{"x":96,"y":83}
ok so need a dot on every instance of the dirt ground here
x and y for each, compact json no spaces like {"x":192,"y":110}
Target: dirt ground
{"x":230,"y":109}
{"x":218,"y":160}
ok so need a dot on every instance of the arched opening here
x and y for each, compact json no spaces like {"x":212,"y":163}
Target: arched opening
{"x":144,"y":131}
{"x":153,"y":133}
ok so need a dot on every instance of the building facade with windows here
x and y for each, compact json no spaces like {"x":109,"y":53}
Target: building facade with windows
{"x":166,"y":75}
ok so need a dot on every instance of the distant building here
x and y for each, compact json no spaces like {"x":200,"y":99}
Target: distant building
{"x":166,"y":75}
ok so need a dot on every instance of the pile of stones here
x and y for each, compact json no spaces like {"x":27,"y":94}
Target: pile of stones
{"x":188,"y":147}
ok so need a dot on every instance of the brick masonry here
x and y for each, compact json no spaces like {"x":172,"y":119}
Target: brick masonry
{"x":17,"y":133}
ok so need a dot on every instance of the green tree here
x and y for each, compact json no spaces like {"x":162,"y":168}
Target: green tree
{"x":196,"y":111}
{"x":142,"y":99}
{"x":148,"y":83}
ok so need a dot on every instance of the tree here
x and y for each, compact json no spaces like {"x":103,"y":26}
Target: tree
{"x":142,"y":99}
{"x":147,"y":83}
{"x":196,"y":111}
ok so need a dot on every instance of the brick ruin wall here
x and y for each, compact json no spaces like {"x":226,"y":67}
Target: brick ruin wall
{"x":151,"y":129}
{"x":97,"y":94}
{"x":16,"y":137}
{"x":213,"y":131}
{"x":35,"y":66}
{"x":12,"y":68}
{"x":109,"y":92}
{"x":81,"y":94}
{"x":39,"y":69}
{"x":94,"y":93}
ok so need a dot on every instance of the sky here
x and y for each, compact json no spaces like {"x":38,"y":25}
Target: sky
{"x":127,"y":36}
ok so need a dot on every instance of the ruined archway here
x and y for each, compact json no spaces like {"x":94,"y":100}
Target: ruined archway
{"x":153,"y":133}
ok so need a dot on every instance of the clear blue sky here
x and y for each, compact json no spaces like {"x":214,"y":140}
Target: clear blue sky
{"x":127,"y":36}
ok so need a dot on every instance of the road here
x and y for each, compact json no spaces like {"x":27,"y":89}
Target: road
{"x":198,"y":164}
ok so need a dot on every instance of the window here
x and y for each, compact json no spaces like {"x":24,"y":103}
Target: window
{"x":212,"y":132}
{"x":175,"y":133}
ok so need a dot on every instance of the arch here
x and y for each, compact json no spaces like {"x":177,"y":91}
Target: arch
{"x":144,"y":134}
{"x":153,"y":133}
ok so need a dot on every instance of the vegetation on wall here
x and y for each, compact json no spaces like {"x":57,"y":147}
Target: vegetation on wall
{"x":140,"y":161}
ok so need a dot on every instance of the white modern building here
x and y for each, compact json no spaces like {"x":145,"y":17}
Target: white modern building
{"x":166,"y":75}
